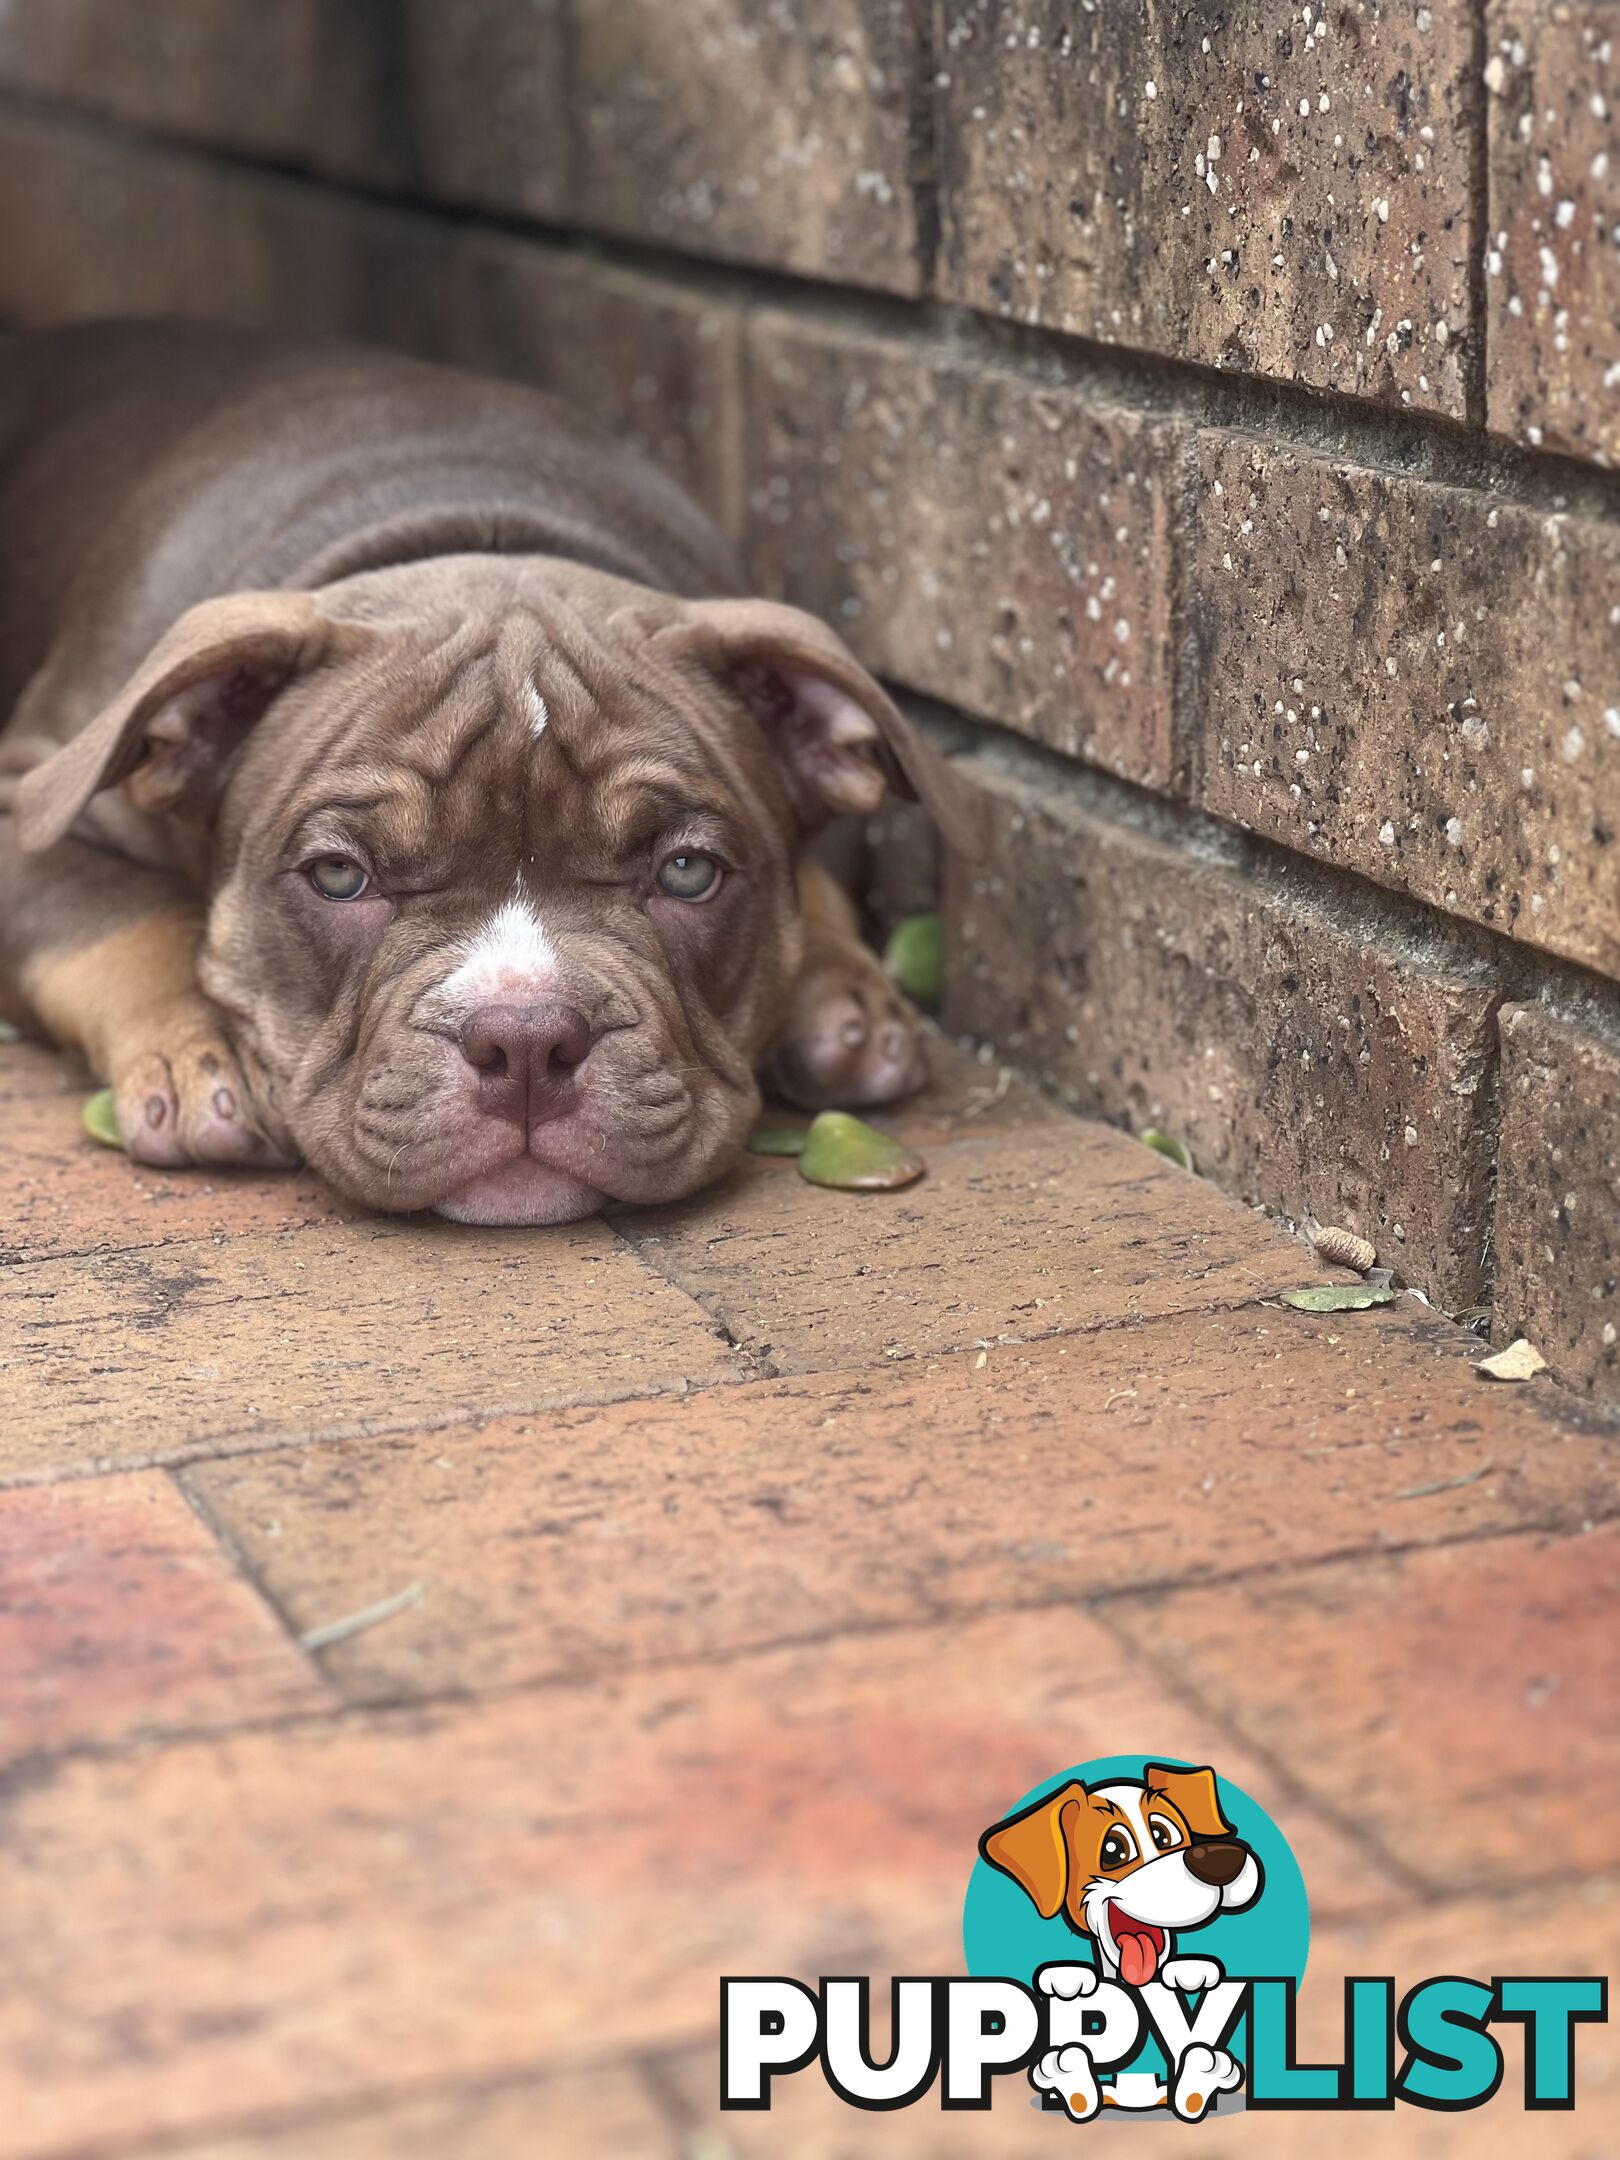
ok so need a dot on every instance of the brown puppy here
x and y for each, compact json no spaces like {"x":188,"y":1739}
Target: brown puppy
{"x":393,"y":779}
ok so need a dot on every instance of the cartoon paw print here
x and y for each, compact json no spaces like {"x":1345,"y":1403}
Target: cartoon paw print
{"x":1068,"y":2072}
{"x":1202,"y":2073}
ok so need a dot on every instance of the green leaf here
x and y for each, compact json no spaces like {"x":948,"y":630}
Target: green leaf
{"x":101,"y":1119}
{"x":915,"y":957}
{"x":777,"y":1140}
{"x":1163,"y":1143}
{"x":1340,"y":1297}
{"x":841,"y":1151}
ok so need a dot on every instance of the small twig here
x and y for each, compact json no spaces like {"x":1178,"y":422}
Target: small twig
{"x":983,"y":1099}
{"x":336,"y":1631}
{"x":1446,"y":1484}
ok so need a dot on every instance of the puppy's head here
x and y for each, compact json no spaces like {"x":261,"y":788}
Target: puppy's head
{"x":1129,"y":1863}
{"x":500,"y":858}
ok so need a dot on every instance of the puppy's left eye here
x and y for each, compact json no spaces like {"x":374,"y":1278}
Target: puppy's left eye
{"x":689,"y":876}
{"x":338,"y":877}
{"x":1164,"y":1833}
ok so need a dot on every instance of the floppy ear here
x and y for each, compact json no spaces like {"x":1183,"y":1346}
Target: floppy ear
{"x":1195,"y":1794}
{"x":173,"y":728}
{"x":1033,"y":1848}
{"x":840,"y":736}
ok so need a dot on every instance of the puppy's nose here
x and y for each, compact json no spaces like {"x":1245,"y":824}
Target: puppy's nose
{"x":527,"y":1055}
{"x":1217,"y":1864}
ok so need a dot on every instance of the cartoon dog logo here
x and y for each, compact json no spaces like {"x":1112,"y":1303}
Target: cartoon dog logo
{"x":1131,"y":1864}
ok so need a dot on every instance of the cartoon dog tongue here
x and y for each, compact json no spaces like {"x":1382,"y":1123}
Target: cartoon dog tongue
{"x":1138,"y":1946}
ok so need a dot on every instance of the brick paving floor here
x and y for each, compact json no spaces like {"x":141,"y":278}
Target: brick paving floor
{"x":762,"y":1550}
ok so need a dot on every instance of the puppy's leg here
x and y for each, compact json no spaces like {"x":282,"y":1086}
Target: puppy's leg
{"x":99,"y":954}
{"x":850,"y":1039}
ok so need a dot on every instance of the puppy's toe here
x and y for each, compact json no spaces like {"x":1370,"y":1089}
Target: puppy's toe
{"x":148,"y":1106}
{"x":191,"y":1106}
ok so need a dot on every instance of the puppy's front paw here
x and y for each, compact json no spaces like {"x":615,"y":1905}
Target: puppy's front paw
{"x":1201,"y":2074}
{"x":1067,"y":1981}
{"x":188,"y":1102}
{"x":850,"y":1041}
{"x":1069,"y":2072}
{"x":1190,"y":1975}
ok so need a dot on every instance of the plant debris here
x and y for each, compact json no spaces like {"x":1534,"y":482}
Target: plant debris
{"x":336,"y":1631}
{"x":1342,"y":1248}
{"x":1166,"y":1144}
{"x":1339,"y":1297}
{"x":778,"y":1140}
{"x":101,"y":1119}
{"x":1521,"y":1360}
{"x":1446,"y":1484}
{"x":915,"y":957}
{"x":852,"y":1156}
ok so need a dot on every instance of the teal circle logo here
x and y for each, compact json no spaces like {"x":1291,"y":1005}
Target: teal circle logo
{"x":1130,"y":1863}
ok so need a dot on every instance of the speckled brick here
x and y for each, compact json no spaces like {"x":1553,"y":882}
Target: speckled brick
{"x":1414,"y":682}
{"x":160,"y":231}
{"x":1552,"y":262}
{"x":1306,"y":1058}
{"x":995,"y":541}
{"x":1558,"y":1198}
{"x":655,"y":359}
{"x":1258,"y":188}
{"x":901,"y":867}
{"x":467,"y":102}
{"x":768,"y":131}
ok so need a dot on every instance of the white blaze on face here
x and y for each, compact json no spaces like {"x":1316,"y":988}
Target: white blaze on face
{"x":510,"y":957}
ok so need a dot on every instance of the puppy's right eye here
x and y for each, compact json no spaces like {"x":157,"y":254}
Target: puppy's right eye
{"x":338,"y":877}
{"x":689,"y":875}
{"x":1118,"y":1847}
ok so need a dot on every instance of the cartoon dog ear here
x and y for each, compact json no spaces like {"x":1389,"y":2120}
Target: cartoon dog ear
{"x":840,"y":736}
{"x":173,"y":728}
{"x":1194,"y":1793}
{"x":1033,"y":1848}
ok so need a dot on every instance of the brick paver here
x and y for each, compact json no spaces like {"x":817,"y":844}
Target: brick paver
{"x":1075,"y":1228}
{"x":612,"y":2110}
{"x":124,"y":1616}
{"x":763,"y":1550}
{"x":561,"y":1546}
{"x":527,"y":1879}
{"x":139,"y":1356}
{"x":65,"y":1198}
{"x":1461,"y":1706}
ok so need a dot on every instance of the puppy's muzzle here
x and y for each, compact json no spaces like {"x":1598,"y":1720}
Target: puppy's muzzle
{"x":1217,"y":1861}
{"x":527,"y":1058}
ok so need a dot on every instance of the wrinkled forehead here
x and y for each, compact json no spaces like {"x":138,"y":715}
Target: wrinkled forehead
{"x":505,"y":747}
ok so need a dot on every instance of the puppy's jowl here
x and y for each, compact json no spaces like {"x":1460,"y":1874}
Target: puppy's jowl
{"x":394,"y":779}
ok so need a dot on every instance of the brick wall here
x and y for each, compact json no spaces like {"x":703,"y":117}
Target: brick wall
{"x":1213,"y":416}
